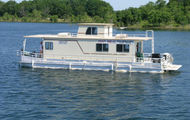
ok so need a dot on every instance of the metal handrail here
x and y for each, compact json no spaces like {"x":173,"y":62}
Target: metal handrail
{"x":145,"y":59}
{"x":130,"y":35}
{"x":114,"y":35}
{"x":31,"y":54}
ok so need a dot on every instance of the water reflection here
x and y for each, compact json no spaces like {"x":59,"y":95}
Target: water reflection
{"x":96,"y":94}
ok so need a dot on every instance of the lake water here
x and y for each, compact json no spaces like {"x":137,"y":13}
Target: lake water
{"x":32,"y":94}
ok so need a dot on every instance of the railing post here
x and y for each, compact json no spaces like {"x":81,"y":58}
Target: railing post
{"x":70,"y":66}
{"x":112,"y":67}
{"x":152,"y":41}
{"x":32,"y":63}
{"x":24,"y":44}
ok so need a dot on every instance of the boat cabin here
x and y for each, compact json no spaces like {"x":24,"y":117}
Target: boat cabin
{"x":93,"y":41}
{"x":101,"y":29}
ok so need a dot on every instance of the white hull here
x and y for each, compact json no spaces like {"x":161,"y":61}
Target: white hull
{"x":95,"y":65}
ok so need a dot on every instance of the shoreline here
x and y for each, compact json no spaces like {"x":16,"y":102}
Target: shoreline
{"x":165,"y":28}
{"x":180,"y":28}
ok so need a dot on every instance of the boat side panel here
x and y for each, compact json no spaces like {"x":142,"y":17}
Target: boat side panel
{"x":86,"y":49}
{"x":94,"y":65}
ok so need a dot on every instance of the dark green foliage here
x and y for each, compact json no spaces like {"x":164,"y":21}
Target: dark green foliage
{"x":9,"y":7}
{"x":158,"y":14}
{"x":59,"y":10}
{"x":54,"y":18}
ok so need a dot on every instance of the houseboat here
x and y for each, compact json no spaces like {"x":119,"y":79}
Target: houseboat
{"x":95,"y":47}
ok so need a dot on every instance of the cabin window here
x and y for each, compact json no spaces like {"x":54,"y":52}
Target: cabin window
{"x":49,"y":45}
{"x":102,"y":47}
{"x":122,"y":48}
{"x":92,"y":31}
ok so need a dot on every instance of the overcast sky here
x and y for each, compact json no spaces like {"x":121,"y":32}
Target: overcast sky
{"x":121,"y":4}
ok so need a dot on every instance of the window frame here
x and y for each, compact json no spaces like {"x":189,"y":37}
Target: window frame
{"x":102,"y":47}
{"x":92,"y":31}
{"x":48,"y":45}
{"x":99,"y":47}
{"x":122,"y":48}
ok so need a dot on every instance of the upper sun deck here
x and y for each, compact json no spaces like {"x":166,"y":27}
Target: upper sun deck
{"x":138,"y":37}
{"x":96,"y":24}
{"x":90,"y":31}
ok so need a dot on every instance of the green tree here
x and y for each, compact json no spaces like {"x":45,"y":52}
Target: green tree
{"x":78,"y":7}
{"x":160,"y":4}
{"x":24,"y":8}
{"x":7,"y":17}
{"x":1,"y":5}
{"x":101,"y":9}
{"x":10,"y":7}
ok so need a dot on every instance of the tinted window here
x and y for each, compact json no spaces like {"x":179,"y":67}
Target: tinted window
{"x":49,"y":45}
{"x":102,"y":47}
{"x":119,"y":48}
{"x":88,"y":32}
{"x":105,"y":47}
{"x":92,"y":31}
{"x":99,"y":47}
{"x":126,"y":48}
{"x":122,"y":48}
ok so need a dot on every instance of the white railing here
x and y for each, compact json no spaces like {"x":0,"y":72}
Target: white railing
{"x":78,"y":57}
{"x":74,"y":34}
{"x":146,"y":34}
{"x":146,"y":58}
{"x":129,"y":35}
{"x":92,"y":57}
{"x":30,"y":54}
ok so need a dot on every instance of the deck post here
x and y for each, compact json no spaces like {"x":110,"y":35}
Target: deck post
{"x":70,"y":66}
{"x":112,"y":67}
{"x":130,"y":67}
{"x":152,"y":38}
{"x":24,"y":44}
{"x":152,"y":41}
{"x":32,"y":63}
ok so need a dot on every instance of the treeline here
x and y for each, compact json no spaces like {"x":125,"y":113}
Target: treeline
{"x":175,"y":13}
{"x":56,"y":11}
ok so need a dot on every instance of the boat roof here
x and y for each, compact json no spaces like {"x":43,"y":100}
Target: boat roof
{"x":95,"y":24}
{"x":75,"y":37}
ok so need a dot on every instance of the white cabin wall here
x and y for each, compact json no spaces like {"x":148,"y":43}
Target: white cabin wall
{"x":88,"y":46}
{"x":133,"y":49}
{"x":106,"y":31}
{"x":62,"y":48}
{"x":112,"y":48}
{"x":82,"y":30}
{"x":110,"y":31}
{"x":100,"y":30}
{"x":85,"y":48}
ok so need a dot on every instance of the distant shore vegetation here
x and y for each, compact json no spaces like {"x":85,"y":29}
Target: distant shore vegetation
{"x":159,"y":15}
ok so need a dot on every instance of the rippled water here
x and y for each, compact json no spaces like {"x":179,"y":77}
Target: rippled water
{"x":63,"y":94}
